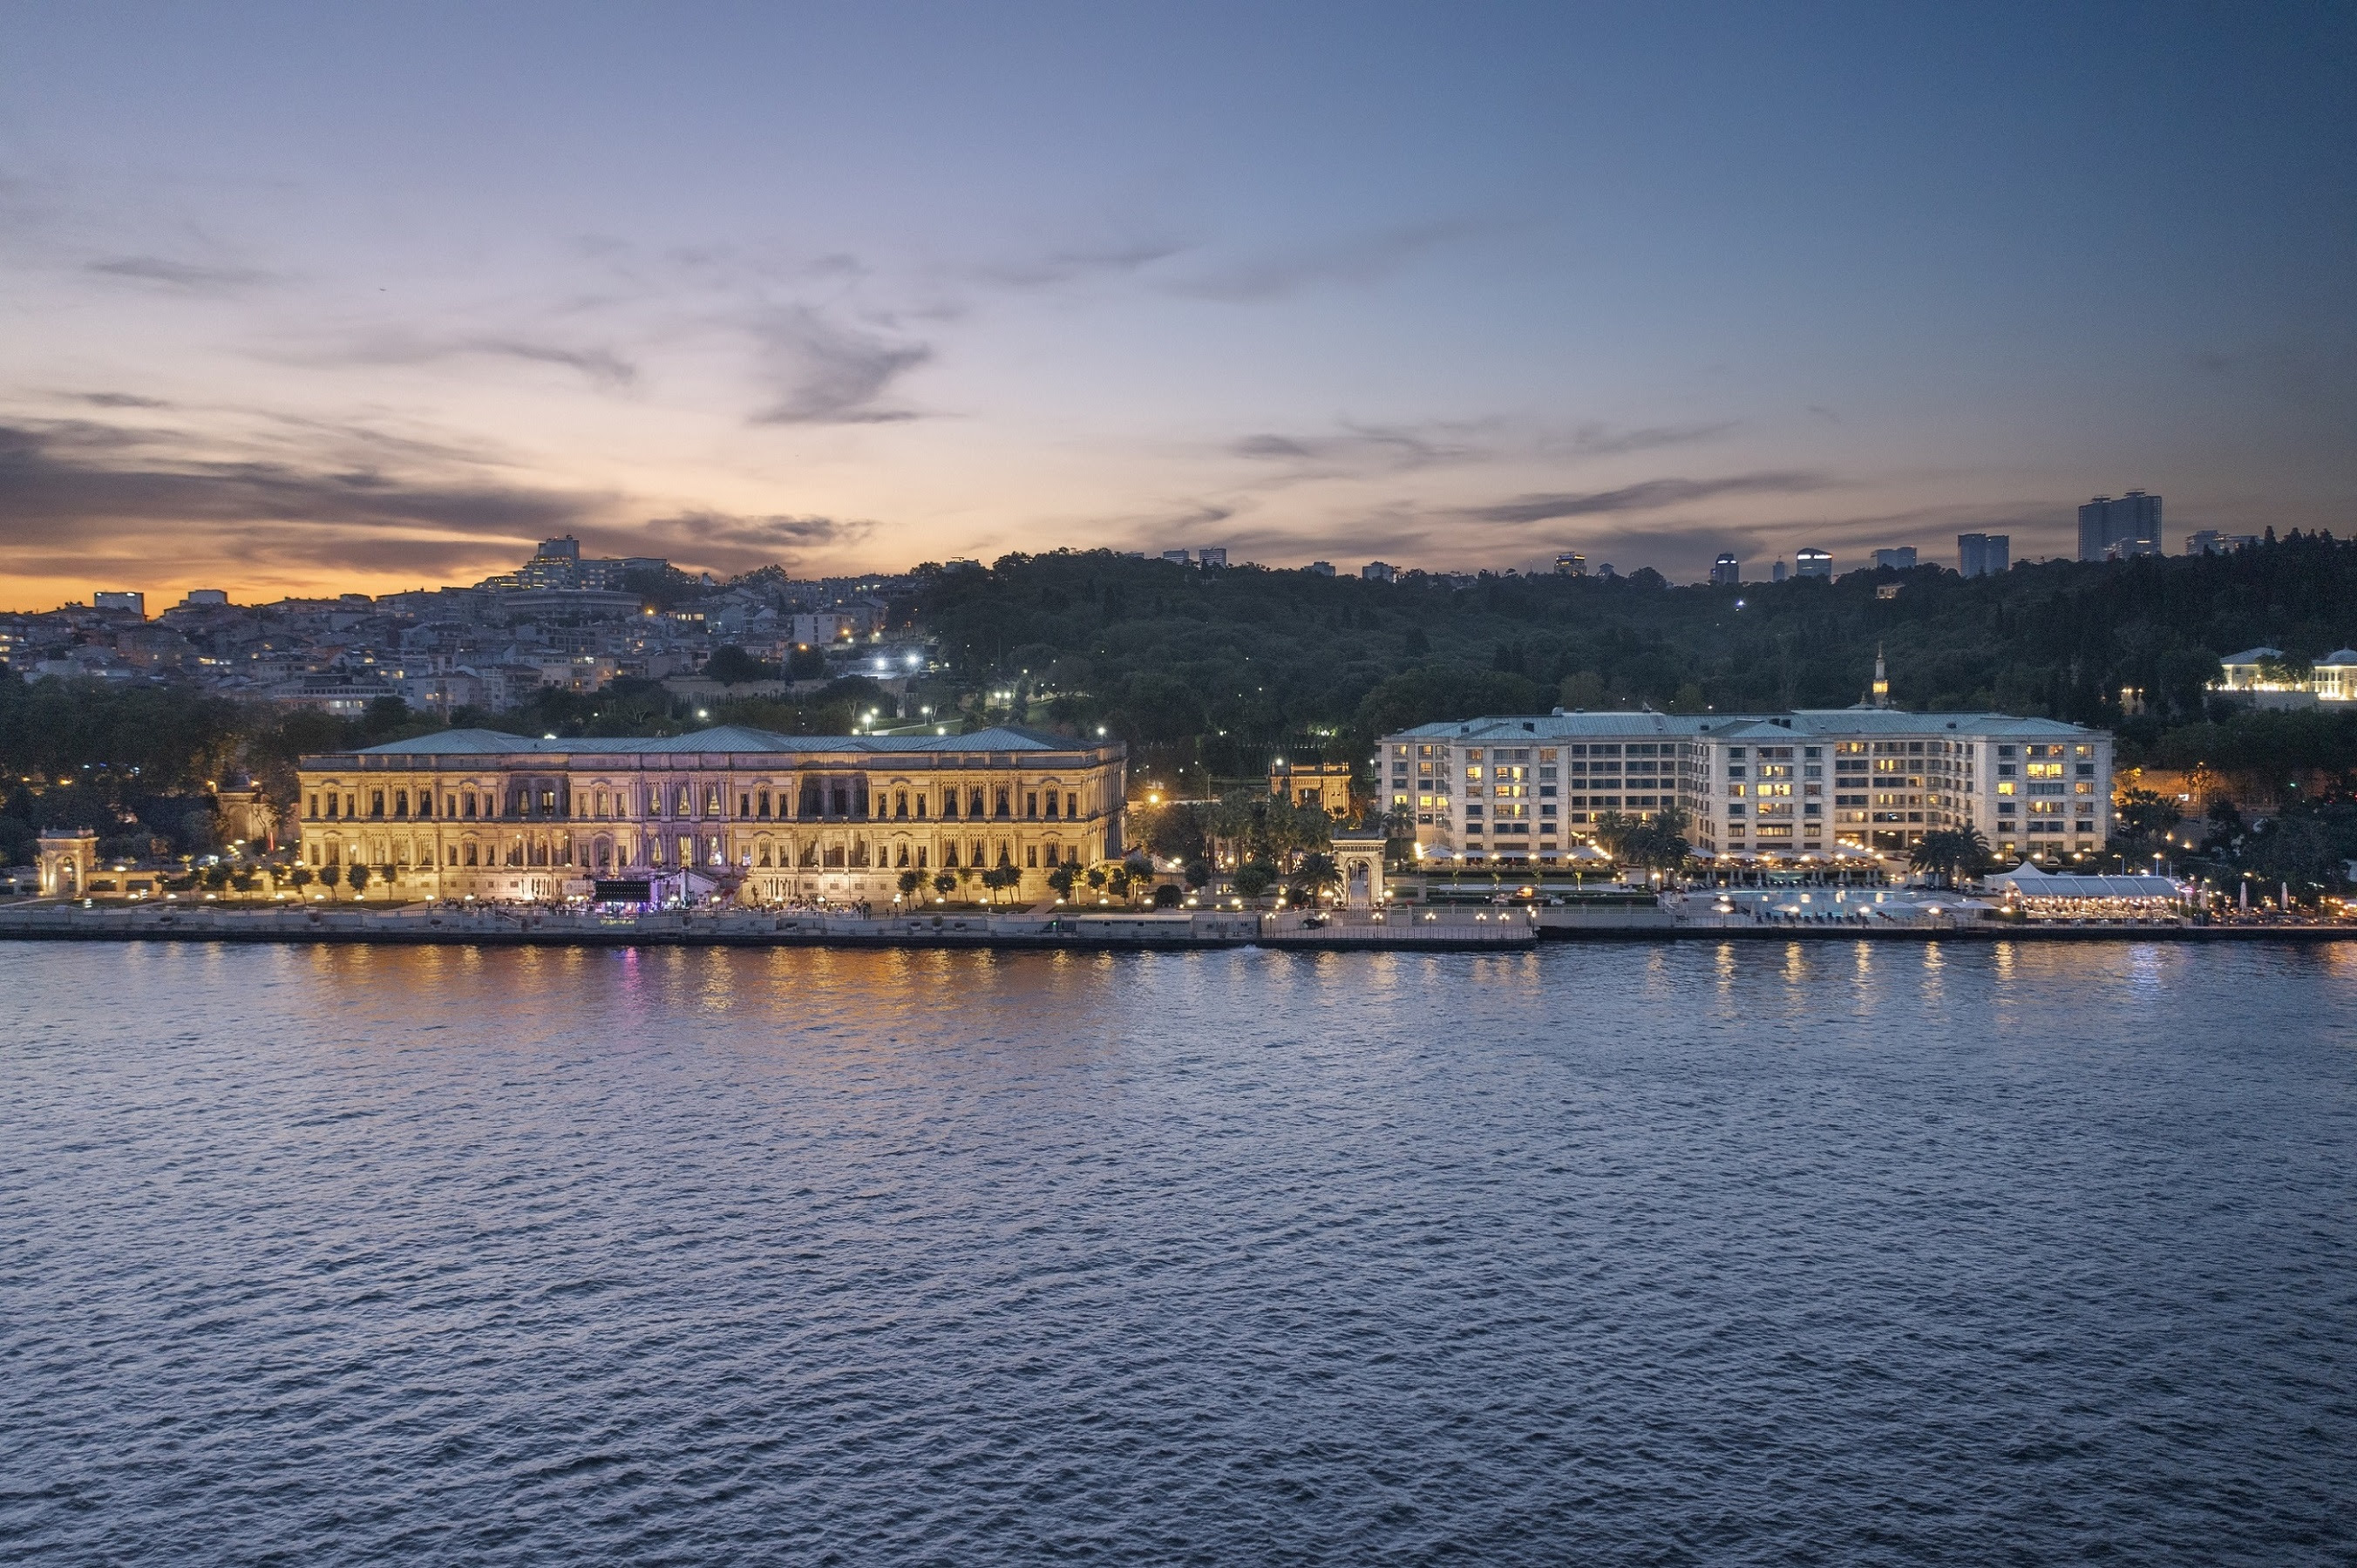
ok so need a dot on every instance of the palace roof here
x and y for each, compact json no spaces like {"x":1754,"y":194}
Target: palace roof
{"x":719,"y":738}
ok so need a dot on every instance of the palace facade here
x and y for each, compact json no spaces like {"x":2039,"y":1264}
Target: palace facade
{"x":476,"y":814}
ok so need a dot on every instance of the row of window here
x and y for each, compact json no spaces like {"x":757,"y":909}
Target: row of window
{"x":687,"y":849}
{"x":838,"y":799}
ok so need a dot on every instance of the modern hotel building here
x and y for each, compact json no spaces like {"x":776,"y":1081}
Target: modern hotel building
{"x":476,"y":814}
{"x":1808,"y":782}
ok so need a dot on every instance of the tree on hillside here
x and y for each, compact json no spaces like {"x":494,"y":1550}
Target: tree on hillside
{"x":731,"y":665}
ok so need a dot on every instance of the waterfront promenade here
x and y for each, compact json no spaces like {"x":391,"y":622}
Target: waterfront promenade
{"x":527,"y":926}
{"x":1504,"y":927}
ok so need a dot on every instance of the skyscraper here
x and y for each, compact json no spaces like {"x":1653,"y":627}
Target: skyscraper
{"x":1726,"y":572}
{"x":1900,"y":558}
{"x":1776,"y":573}
{"x":1984,"y":554}
{"x":2115,"y":530}
{"x":1571,"y":563}
{"x":1812,"y":564}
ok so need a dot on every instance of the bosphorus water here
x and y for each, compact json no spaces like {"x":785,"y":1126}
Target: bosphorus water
{"x":1826,"y":1252}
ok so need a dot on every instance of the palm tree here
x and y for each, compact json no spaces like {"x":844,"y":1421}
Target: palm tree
{"x":1318,"y":872}
{"x":1611,"y":827}
{"x":1950,"y":854}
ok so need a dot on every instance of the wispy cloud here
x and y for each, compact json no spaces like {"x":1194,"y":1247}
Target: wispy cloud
{"x":116,"y":399}
{"x":1357,"y":259}
{"x":193,"y":277}
{"x":1648,"y":496}
{"x":1362,"y":448}
{"x":600,"y":366}
{"x":1073,"y":263}
{"x":727,"y":542}
{"x":828,"y":373}
{"x":1604,"y":441}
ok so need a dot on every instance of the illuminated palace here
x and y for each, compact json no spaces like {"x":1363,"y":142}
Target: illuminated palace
{"x":474,"y":813}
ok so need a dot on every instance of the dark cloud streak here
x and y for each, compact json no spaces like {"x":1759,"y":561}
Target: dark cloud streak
{"x":191,"y":276}
{"x":827,"y":373}
{"x":1649,"y":495}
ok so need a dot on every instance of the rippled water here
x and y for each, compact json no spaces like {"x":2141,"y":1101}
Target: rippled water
{"x":1605,"y":1253}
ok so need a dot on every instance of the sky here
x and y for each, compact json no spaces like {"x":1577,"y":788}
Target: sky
{"x":311,"y":300}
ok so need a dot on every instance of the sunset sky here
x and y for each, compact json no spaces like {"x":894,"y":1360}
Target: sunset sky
{"x":330,"y":298}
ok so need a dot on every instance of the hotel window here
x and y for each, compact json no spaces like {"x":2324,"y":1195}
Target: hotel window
{"x":712,"y":800}
{"x":973,"y":806}
{"x":920,"y":805}
{"x":1031,"y":802}
{"x":899,"y":802}
{"x":1071,"y":803}
{"x":949,"y":806}
{"x":1053,"y":801}
{"x":686,"y":802}
{"x":760,"y":804}
{"x":376,"y":803}
{"x":400,"y":802}
{"x":744,"y":805}
{"x":315,"y":804}
{"x":1031,"y":855}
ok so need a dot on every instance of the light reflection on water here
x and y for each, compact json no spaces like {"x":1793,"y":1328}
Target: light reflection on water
{"x":1731,"y":1250}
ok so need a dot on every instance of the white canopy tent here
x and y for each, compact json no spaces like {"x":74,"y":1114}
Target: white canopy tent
{"x":2028,"y":882}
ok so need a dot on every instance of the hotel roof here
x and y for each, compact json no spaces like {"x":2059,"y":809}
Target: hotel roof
{"x":719,"y":738}
{"x":1560,"y":726}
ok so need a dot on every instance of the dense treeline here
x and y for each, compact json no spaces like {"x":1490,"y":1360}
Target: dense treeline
{"x":1213,"y":670}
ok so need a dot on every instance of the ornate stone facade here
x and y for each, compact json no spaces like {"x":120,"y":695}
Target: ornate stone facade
{"x":476,"y":814}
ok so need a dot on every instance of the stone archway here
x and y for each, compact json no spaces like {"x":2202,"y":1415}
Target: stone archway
{"x":66,"y":862}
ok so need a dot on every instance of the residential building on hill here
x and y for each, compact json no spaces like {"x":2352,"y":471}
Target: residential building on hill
{"x":2113,"y":530}
{"x":1984,"y":554}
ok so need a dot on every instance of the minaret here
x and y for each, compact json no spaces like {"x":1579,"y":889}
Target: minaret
{"x":1881,"y":680}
